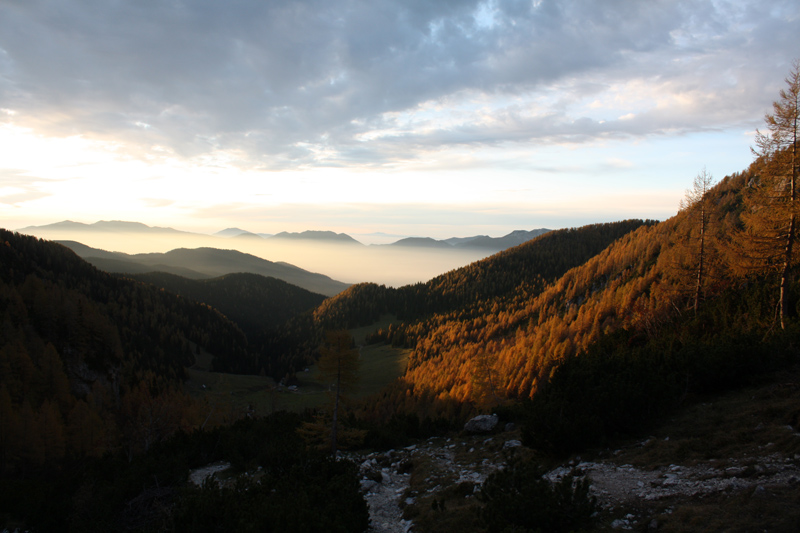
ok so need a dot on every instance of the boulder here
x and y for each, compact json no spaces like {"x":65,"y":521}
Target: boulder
{"x":481,"y":424}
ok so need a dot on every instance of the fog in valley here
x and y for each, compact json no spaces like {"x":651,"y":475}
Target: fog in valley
{"x":346,"y":262}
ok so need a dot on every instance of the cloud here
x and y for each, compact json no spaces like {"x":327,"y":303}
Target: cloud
{"x":293,"y":84}
{"x":158,"y":202}
{"x":16,"y":188}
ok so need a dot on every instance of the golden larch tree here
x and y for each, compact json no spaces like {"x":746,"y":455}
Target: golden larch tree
{"x":698,"y":206}
{"x":771,"y":205}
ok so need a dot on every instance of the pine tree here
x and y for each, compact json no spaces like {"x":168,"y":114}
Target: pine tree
{"x":771,"y":205}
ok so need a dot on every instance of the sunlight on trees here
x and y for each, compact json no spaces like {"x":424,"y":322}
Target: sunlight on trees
{"x":771,"y":206}
{"x":697,"y":204}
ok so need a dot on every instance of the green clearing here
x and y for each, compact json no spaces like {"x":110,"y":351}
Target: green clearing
{"x":380,"y":363}
{"x":234,"y":393}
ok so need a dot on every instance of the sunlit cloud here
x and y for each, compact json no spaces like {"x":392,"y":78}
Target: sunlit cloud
{"x":208,"y":113}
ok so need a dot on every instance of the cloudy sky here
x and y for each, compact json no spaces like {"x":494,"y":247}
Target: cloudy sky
{"x":417,"y":117}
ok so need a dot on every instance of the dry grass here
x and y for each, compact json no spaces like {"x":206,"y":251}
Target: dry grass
{"x":756,"y":421}
{"x":739,"y":427}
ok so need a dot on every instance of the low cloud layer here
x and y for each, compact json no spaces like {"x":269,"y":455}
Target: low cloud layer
{"x":348,"y":83}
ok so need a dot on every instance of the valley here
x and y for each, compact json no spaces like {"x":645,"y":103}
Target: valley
{"x":474,"y":266}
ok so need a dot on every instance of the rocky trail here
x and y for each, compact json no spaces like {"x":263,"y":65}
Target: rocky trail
{"x":397,"y":479}
{"x":731,"y":464}
{"x":386,"y":477}
{"x":628,"y":494}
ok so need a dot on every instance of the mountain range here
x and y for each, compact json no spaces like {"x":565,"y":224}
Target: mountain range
{"x":122,"y":227}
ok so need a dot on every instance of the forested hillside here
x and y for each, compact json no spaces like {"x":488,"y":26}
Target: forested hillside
{"x":259,"y":305}
{"x":252,"y":301}
{"x":528,"y":267}
{"x":516,"y":274}
{"x":96,"y":431}
{"x":85,"y":357}
{"x":634,"y":301}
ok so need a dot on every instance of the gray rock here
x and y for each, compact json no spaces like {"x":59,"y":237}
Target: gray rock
{"x":512,"y":444}
{"x":481,"y":424}
{"x":367,"y":485}
{"x":734,"y":471}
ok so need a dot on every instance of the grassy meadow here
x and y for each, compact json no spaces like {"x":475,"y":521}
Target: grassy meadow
{"x":230,"y":394}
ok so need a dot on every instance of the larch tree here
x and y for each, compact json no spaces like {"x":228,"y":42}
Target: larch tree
{"x":338,"y":364}
{"x":771,"y":210}
{"x":697,"y":204}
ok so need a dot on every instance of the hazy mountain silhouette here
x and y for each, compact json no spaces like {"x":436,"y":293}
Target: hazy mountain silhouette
{"x":421,"y":242}
{"x":203,"y":263}
{"x":478,"y":241}
{"x":327,"y":236}
{"x":106,"y":226}
{"x":514,"y":238}
{"x":497,"y":244}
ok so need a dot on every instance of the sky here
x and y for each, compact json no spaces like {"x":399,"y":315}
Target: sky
{"x":444,"y":119}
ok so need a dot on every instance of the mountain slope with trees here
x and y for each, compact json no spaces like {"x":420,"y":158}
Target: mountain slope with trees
{"x":88,"y":354}
{"x":206,"y":262}
{"x":528,"y":267}
{"x":632,"y":306}
{"x":629,"y":311}
{"x":255,"y":303}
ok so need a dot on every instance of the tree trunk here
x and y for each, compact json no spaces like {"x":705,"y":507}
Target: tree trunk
{"x":699,"y":284}
{"x":335,"y":412}
{"x":787,"y":257}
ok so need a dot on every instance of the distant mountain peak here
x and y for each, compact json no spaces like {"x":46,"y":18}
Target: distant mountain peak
{"x":238,"y":233}
{"x":230,"y":232}
{"x":103,"y":226}
{"x":311,"y":235}
{"x":422,"y":242}
{"x":514,"y":238}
